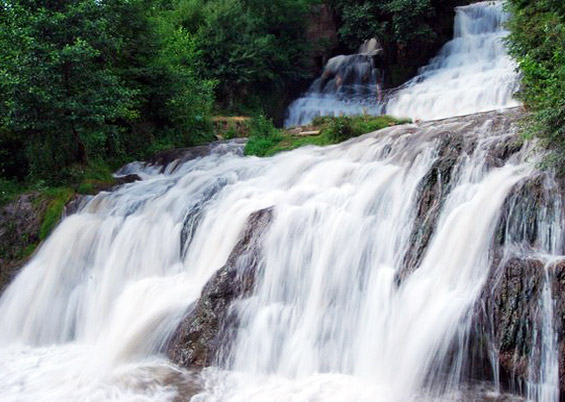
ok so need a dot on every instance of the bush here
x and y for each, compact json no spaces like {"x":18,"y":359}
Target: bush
{"x":537,"y":41}
{"x":340,"y":129}
{"x":262,"y":136}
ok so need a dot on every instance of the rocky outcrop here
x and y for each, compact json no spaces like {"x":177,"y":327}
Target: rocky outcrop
{"x":434,"y":187}
{"x":509,"y":319}
{"x":209,"y":324}
{"x":437,"y":183}
{"x":20,"y":221}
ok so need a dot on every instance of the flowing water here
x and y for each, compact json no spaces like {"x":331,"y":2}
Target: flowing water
{"x":349,"y":85}
{"x":350,"y":304}
{"x":471,"y":73}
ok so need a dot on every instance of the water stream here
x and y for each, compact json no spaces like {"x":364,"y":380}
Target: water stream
{"x":337,"y":312}
{"x":471,"y":73}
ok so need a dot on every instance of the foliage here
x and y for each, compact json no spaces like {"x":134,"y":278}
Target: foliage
{"x":253,"y":50}
{"x":59,"y":197}
{"x":332,"y":130}
{"x":262,"y":136}
{"x":90,"y":79}
{"x":398,"y":21}
{"x":9,"y":190}
{"x":537,"y":41}
{"x":340,"y":129}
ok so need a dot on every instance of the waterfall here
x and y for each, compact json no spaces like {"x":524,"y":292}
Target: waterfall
{"x":349,"y":85}
{"x":472,"y":73}
{"x":369,"y":270}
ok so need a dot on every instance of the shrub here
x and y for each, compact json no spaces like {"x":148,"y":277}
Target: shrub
{"x":340,"y":129}
{"x":262,"y":136}
{"x":537,"y":41}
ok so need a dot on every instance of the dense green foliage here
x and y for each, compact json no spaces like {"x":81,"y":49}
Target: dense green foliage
{"x":410,"y":30}
{"x":120,"y":79}
{"x":266,"y":140}
{"x":87,"y":79}
{"x":537,"y":41}
{"x":255,"y":50}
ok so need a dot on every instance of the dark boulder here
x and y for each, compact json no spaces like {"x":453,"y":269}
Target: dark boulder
{"x":208,"y":324}
{"x":20,"y":221}
{"x":129,"y":178}
{"x":508,"y":319}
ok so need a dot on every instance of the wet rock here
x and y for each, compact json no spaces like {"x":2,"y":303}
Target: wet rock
{"x":508,"y":320}
{"x":208,"y":323}
{"x":75,"y":204}
{"x":438,"y":182}
{"x":130,"y":178}
{"x":519,"y":217}
{"x":501,"y":151}
{"x":434,"y":187}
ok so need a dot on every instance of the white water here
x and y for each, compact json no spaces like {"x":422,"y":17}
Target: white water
{"x":472,"y":73}
{"x":88,"y":317}
{"x":349,"y":85}
{"x":546,"y":388}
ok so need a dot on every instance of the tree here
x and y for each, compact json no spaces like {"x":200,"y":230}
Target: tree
{"x":537,"y":41}
{"x":91,"y":78}
{"x":59,"y":95}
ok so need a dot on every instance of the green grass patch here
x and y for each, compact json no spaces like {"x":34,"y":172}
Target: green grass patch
{"x":58,"y":197}
{"x":91,"y":178}
{"x":269,"y":141}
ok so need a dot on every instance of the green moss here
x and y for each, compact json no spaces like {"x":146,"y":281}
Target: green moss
{"x":85,"y":188}
{"x":332,"y":131}
{"x":58,"y":198}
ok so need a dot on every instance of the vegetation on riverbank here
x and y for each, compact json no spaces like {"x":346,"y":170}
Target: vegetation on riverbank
{"x":266,"y":140}
{"x":537,"y":41}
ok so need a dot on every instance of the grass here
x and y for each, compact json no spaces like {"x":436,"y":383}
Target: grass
{"x":332,"y":131}
{"x":58,"y":196}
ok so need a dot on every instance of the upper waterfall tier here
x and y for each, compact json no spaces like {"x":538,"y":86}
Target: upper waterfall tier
{"x":472,"y":73}
{"x":350,"y":84}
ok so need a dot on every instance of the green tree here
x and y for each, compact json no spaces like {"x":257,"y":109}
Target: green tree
{"x":537,"y":41}
{"x":90,"y":78}
{"x":254,"y":51}
{"x":58,"y":96}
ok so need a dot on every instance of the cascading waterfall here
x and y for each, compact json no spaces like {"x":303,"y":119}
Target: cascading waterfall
{"x":369,"y":272}
{"x":472,"y":73}
{"x":350,"y":84}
